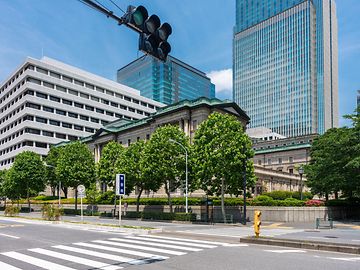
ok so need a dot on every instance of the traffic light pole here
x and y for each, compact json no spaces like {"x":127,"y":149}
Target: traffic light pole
{"x":109,"y":14}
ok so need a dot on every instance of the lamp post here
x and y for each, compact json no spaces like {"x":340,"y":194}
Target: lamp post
{"x":59,"y":186}
{"x":186,"y":173}
{"x":301,"y":172}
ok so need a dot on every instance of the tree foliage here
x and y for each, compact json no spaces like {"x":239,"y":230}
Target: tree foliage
{"x":221,"y":154}
{"x":335,"y":161}
{"x":76,"y":165}
{"x":135,"y":166}
{"x":111,"y":154}
{"x":51,"y":161}
{"x":165,"y":160}
{"x":26,"y":177}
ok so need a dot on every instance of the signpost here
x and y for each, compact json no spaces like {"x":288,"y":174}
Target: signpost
{"x":81,"y":194}
{"x":120,"y":190}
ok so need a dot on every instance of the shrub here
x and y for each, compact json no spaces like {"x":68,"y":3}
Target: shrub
{"x":314,"y":203}
{"x":290,"y":202}
{"x":279,"y":195}
{"x":68,"y":211}
{"x":11,"y":210}
{"x":45,"y":198}
{"x":51,"y":212}
{"x":306,"y":195}
{"x":263,"y":200}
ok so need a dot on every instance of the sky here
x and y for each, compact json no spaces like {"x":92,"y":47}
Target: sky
{"x":73,"y":33}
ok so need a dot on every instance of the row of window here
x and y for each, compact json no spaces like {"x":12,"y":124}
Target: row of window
{"x":19,"y":145}
{"x":11,"y":81}
{"x":58,"y":123}
{"x":284,"y":144}
{"x":84,"y":106}
{"x":10,"y":104}
{"x":280,"y":161}
{"x":64,"y":113}
{"x":89,"y":86}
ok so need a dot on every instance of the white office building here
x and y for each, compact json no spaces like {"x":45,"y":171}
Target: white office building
{"x":45,"y":102}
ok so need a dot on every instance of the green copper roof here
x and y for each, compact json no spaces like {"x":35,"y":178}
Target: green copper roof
{"x":282,"y":148}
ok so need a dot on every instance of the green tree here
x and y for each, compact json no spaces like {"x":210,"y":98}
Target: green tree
{"x":106,"y":168}
{"x":3,"y":174}
{"x":220,"y":156}
{"x":26,"y":176}
{"x":134,"y":166}
{"x":51,"y":161}
{"x":335,"y":161}
{"x":76,"y":166}
{"x":163,"y":159}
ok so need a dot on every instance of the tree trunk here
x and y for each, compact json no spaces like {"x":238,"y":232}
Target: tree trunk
{"x":169,"y":199}
{"x":222,"y":200}
{"x":53,"y":191}
{"x":138,"y":200}
{"x":76,"y":196}
{"x":336,"y":195}
{"x":326,"y":196}
{"x":65,"y":190}
{"x":28,"y":199}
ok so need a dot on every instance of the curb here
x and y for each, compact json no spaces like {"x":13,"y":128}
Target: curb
{"x":79,"y":225}
{"x":323,"y":246}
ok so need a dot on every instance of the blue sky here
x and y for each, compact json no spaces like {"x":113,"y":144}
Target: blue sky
{"x":71,"y":32}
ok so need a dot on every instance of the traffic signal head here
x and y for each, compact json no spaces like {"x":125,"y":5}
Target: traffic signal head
{"x":164,"y":31}
{"x":151,"y":24}
{"x":136,"y":16}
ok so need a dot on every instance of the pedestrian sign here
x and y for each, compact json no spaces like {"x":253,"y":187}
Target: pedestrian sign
{"x":120,"y":184}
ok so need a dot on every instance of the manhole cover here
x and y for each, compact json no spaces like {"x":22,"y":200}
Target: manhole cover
{"x":329,"y":236}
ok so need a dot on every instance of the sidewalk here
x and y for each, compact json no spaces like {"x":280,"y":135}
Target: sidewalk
{"x":344,"y":233}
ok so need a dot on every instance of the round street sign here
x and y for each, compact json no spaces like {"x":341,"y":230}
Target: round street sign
{"x":81,"y":188}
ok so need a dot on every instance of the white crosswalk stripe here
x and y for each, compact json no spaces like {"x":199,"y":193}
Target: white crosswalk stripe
{"x":159,"y":250}
{"x":35,"y":261}
{"x":8,"y":266}
{"x":155,"y":244}
{"x":121,"y":250}
{"x":184,"y":240}
{"x":75,"y":259}
{"x":286,"y":250}
{"x":108,"y":254}
{"x":171,"y":242}
{"x":98,"y":254}
{"x":349,"y":259}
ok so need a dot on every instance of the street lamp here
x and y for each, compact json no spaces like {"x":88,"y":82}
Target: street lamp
{"x":59,"y":187}
{"x":186,"y":173}
{"x":301,"y":172}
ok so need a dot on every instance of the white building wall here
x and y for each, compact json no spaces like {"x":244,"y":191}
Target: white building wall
{"x":39,"y":108}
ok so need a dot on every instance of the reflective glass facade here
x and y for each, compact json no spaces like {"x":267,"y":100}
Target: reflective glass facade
{"x":167,"y":82}
{"x":285,"y":64}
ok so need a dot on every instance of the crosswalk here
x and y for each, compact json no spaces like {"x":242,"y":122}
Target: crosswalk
{"x":105,"y":254}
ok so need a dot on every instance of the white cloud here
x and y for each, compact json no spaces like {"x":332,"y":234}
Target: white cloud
{"x":223,"y":82}
{"x":222,"y":79}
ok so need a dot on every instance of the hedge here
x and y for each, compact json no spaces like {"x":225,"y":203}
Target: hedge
{"x":282,"y":195}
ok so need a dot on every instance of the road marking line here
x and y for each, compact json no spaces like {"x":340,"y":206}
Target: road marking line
{"x":182,"y":239}
{"x":171,"y":242}
{"x":154,"y":244}
{"x":8,"y":266}
{"x":160,"y":250}
{"x":235,"y":245}
{"x":75,"y":259}
{"x":354,"y":259}
{"x":125,"y":251}
{"x":11,"y":236}
{"x":35,"y":261}
{"x":100,"y":254}
{"x":285,"y":251}
{"x":225,"y":235}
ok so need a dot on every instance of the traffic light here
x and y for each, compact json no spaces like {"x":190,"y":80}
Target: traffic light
{"x":136,"y":17}
{"x":153,"y":35}
{"x":257,"y":223}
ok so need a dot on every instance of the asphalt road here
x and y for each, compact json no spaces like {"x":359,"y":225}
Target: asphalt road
{"x":34,"y":246}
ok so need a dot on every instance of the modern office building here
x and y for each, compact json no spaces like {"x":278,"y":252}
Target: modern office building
{"x":167,"y":82}
{"x":285,"y":64}
{"x":45,"y":102}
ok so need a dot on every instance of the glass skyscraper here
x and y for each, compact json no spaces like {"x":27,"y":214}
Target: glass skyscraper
{"x":285,"y":67}
{"x":167,"y":82}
